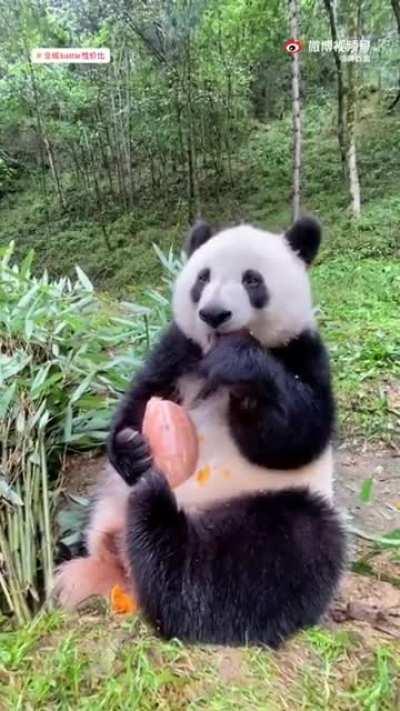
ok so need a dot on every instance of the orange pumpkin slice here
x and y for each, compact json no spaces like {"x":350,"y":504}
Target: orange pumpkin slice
{"x":172,"y":438}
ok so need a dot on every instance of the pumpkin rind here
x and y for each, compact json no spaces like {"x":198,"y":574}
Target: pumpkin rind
{"x":172,"y":438}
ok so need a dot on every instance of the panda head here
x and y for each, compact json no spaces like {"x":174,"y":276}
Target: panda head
{"x":244,"y":279}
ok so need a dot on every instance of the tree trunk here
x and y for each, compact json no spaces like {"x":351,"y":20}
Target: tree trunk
{"x":396,"y":10}
{"x":80,"y":174}
{"x":351,"y":118}
{"x":39,"y":125}
{"x":105,"y":157}
{"x":331,"y":10}
{"x":127,"y":128}
{"x":296,"y":108}
{"x":353,"y":176}
{"x":351,"y":145}
{"x":54,"y":171}
{"x":191,"y":145}
{"x":115,"y":133}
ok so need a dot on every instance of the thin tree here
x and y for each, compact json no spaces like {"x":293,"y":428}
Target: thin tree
{"x":54,"y":170}
{"x":330,"y":7}
{"x":351,"y":117}
{"x":396,"y":10}
{"x":296,"y":110}
{"x":347,"y":100}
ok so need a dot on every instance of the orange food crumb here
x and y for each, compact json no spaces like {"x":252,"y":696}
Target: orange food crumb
{"x":226,"y":473}
{"x":121,"y":602}
{"x":203,"y":475}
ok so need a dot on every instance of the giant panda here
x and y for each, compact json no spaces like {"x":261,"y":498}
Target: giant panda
{"x":257,"y":553}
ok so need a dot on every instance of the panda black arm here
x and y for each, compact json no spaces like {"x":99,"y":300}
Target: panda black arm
{"x":281,"y":410}
{"x":173,"y":356}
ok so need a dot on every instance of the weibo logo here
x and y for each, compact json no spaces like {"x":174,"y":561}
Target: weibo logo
{"x":293,"y":46}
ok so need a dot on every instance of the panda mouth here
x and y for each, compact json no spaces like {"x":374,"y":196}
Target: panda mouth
{"x":215,"y":336}
{"x":238,"y":332}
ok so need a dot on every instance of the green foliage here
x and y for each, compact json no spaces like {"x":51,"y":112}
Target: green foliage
{"x":163,"y":117}
{"x":57,"y":336}
{"x":116,"y":251}
{"x":124,"y":264}
{"x":8,"y":175}
{"x":66,"y":355}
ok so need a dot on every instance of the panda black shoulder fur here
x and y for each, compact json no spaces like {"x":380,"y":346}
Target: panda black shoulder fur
{"x":257,"y":553}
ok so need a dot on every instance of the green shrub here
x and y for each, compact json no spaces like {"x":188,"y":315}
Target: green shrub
{"x":65,"y":357}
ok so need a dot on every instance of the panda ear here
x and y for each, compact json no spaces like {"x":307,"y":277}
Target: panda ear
{"x":304,"y":238}
{"x":200,"y":233}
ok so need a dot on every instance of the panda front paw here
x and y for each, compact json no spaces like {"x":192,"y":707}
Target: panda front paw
{"x":130,"y":454}
{"x":233,"y":361}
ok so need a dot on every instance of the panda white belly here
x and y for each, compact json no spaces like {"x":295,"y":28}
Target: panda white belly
{"x":221,"y":471}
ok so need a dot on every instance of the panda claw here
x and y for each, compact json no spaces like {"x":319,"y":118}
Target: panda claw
{"x":130,"y":455}
{"x":127,"y":435}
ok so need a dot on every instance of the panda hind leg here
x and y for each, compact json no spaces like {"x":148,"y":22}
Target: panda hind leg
{"x":253,"y":570}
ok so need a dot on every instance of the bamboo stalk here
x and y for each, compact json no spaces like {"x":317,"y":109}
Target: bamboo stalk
{"x":49,"y":562}
{"x":19,"y":603}
{"x":3,"y":586}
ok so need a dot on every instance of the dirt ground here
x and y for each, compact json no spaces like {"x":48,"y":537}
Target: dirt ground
{"x":382,"y":514}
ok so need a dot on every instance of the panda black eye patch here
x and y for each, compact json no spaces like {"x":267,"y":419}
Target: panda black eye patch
{"x":203,"y":278}
{"x":256,"y":289}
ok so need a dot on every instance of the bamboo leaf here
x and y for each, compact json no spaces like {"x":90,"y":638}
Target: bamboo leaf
{"x":26,"y":265}
{"x":44,"y":420}
{"x":40,"y":377}
{"x":11,"y":366}
{"x":8,"y":493}
{"x":82,"y":388}
{"x":6,"y":398}
{"x":68,"y":424}
{"x":64,"y":346}
{"x":83,"y":279}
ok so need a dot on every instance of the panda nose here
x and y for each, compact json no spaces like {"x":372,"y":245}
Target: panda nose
{"x":214,"y":316}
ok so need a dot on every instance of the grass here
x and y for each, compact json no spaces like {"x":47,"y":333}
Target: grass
{"x":124,"y":264}
{"x":98,"y":661}
{"x":359,"y":303}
